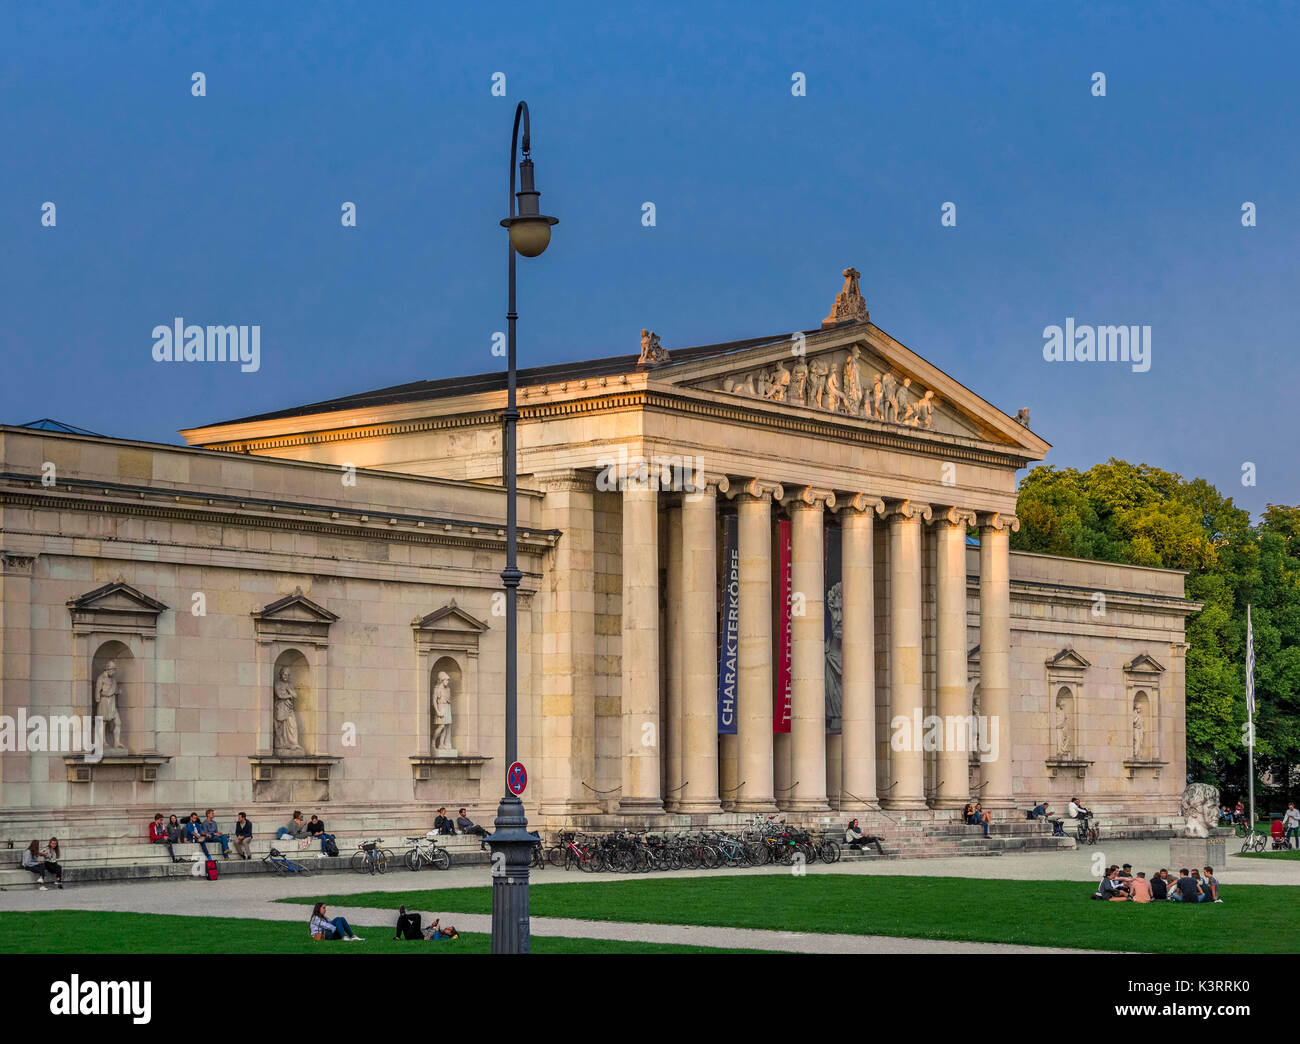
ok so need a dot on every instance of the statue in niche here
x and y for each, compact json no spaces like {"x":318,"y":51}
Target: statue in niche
{"x":877,"y":410}
{"x":1139,"y":733}
{"x":817,"y":384}
{"x":835,"y":660}
{"x":799,"y":382}
{"x":442,"y":713}
{"x":286,"y":718}
{"x":777,"y":382}
{"x":107,"y":691}
{"x":853,"y":391}
{"x":890,"y":385}
{"x":1064,"y":741}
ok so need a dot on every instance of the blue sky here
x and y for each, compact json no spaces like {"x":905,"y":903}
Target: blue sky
{"x":1124,"y":209}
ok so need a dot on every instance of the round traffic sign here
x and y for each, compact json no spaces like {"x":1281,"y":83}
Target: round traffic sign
{"x":517,"y":778}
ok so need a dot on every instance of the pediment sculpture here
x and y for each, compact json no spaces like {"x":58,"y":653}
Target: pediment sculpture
{"x":838,"y":384}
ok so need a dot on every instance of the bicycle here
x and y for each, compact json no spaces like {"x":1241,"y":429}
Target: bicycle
{"x":1253,"y":842}
{"x":425,"y":850}
{"x":370,"y":858}
{"x":1087,"y":833}
{"x":282,"y":864}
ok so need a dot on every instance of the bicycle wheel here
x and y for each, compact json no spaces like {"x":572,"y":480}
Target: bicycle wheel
{"x":590,"y":864}
{"x":710,"y":857}
{"x":412,"y":859}
{"x":359,"y":862}
{"x":441,"y":859}
{"x":830,"y":852}
{"x":556,"y":856}
{"x":758,"y":853}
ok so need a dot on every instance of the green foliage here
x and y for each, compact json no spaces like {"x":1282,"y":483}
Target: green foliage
{"x":1136,"y":513}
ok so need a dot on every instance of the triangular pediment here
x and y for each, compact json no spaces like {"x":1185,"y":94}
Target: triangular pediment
{"x":1144,"y":664}
{"x":853,"y":373}
{"x":117,"y":597}
{"x":1068,"y":659}
{"x":297,"y":608}
{"x":450,"y":617}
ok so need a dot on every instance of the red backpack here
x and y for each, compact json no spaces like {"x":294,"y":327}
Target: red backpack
{"x":212,"y":869}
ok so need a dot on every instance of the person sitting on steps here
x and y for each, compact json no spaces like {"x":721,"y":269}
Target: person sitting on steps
{"x":854,"y":838}
{"x":976,"y":816}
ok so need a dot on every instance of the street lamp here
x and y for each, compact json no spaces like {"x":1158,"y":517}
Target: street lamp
{"x":511,"y":842}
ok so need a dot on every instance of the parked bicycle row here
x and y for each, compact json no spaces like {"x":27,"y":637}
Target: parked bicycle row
{"x":625,"y":851}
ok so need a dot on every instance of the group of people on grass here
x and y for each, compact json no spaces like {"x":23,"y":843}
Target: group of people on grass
{"x":1119,"y":885}
{"x":44,"y":862}
{"x":324,"y":928}
{"x":201,"y":832}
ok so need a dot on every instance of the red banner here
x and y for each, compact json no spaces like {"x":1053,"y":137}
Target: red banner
{"x":781,"y":705}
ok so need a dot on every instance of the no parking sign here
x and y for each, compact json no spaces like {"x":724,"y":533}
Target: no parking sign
{"x":517,"y":778}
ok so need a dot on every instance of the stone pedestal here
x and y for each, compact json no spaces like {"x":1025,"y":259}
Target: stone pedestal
{"x":1197,"y":852}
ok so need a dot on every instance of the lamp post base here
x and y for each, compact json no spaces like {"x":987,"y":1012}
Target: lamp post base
{"x":512,"y":846}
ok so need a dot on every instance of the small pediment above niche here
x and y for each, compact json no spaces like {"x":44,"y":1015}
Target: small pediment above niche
{"x":115,"y":607}
{"x":1068,"y":660}
{"x":848,"y":382}
{"x":1143,"y":664}
{"x":294,"y":617}
{"x":450,"y":627}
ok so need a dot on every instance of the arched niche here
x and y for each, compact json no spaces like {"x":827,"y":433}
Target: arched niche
{"x":305,"y":700}
{"x":127,"y":676}
{"x":451,"y":667}
{"x":1065,"y":740}
{"x":1140,"y":723}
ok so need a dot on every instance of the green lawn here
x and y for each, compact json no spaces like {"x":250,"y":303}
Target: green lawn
{"x":1288,"y":854}
{"x":1251,"y":919}
{"x":66,"y":931}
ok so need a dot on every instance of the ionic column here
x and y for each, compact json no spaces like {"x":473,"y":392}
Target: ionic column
{"x":950,"y":638}
{"x":754,"y":712}
{"x":699,"y":644}
{"x":906,"y":705}
{"x":808,"y":652}
{"x":858,"y":648}
{"x":639,"y":695}
{"x":995,"y":655}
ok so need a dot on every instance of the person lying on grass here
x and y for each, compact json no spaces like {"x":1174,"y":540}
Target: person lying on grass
{"x":436,"y":933}
{"x":324,"y":929}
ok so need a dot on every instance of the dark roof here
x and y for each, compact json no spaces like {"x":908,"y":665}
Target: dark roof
{"x":49,"y":424}
{"x":418,"y":391}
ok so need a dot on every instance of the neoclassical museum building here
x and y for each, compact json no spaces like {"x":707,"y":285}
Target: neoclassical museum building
{"x":771,"y":574}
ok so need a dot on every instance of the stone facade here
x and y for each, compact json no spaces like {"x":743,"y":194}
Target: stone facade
{"x":348,"y":559}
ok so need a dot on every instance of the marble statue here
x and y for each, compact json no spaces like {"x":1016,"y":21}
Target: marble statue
{"x":853,"y":391}
{"x":889,"y":383}
{"x":777,"y":382}
{"x":925,"y":410}
{"x":817,"y":384}
{"x":1200,"y":807}
{"x":1022,"y":416}
{"x":651,"y":350}
{"x":107,"y":691}
{"x":834,"y":397}
{"x":849,"y":304}
{"x":286,"y":718}
{"x":835,"y":660}
{"x":1064,"y":741}
{"x":877,"y":398}
{"x":799,"y":382}
{"x":442,"y":712}
{"x":1139,"y":734}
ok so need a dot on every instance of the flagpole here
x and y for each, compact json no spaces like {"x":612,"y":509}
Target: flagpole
{"x":1250,"y":714}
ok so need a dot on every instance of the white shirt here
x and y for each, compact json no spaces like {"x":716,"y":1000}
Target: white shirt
{"x":321,"y":925}
{"x":1075,"y":811}
{"x":1292,"y":817}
